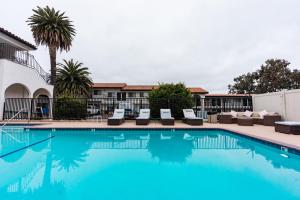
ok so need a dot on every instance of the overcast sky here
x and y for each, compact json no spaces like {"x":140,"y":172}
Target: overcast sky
{"x":199,"y":42}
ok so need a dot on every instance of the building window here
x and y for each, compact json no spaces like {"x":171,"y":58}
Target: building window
{"x":121,"y":96}
{"x":109,"y":94}
{"x":97,"y":92}
{"x":142,"y":94}
{"x":131,"y":94}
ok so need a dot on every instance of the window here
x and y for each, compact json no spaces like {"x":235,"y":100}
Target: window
{"x":121,"y":96}
{"x":142,"y":94}
{"x":97,"y":92}
{"x":109,"y":94}
{"x":131,"y":94}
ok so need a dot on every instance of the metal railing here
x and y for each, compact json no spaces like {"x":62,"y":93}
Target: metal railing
{"x":94,"y":108}
{"x":23,"y":58}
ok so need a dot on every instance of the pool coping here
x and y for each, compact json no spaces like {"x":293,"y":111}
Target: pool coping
{"x":269,"y":142}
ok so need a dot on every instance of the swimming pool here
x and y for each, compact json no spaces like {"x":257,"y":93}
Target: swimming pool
{"x":143,"y":164}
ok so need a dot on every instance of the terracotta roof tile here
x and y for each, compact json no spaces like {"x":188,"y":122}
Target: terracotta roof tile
{"x":6,"y":32}
{"x":140,"y":87}
{"x":109,"y":85}
{"x":227,"y":95}
{"x":125,"y":87}
{"x":198,"y":90}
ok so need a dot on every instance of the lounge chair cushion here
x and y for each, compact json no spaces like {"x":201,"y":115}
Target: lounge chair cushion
{"x":263,"y":113}
{"x":189,"y":113}
{"x":288,"y":123}
{"x":248,"y":113}
{"x":165,"y":114}
{"x":234,"y":114}
{"x":118,"y":114}
{"x":144,"y":114}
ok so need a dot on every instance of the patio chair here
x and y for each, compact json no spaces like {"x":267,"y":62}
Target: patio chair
{"x":190,"y":118}
{"x":144,"y":117}
{"x":117,"y":118}
{"x":165,"y":117}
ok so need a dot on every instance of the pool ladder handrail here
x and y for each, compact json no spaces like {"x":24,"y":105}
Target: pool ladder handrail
{"x":1,"y":128}
{"x":12,"y":118}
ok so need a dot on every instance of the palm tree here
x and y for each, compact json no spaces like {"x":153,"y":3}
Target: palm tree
{"x":53,"y":29}
{"x":73,"y":79}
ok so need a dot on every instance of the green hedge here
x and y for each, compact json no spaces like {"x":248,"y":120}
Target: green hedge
{"x":70,"y":108}
{"x":173,"y":96}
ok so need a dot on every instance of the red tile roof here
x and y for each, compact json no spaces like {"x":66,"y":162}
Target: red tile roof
{"x":140,"y":87}
{"x":227,"y":95}
{"x":198,"y":90}
{"x":125,"y":87}
{"x":9,"y":34}
{"x":109,"y":85}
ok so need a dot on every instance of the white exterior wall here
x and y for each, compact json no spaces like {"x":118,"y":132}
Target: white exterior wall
{"x":12,"y":73}
{"x":286,"y":103}
{"x":104,"y":93}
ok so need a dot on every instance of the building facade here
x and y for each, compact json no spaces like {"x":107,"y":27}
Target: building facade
{"x":122,"y":91}
{"x":128,"y":96}
{"x":20,"y":74}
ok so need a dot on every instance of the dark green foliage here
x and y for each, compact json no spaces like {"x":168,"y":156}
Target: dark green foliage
{"x":273,"y":76}
{"x":70,"y":108}
{"x":73,"y":79}
{"x":244,"y":84}
{"x":173,"y":96}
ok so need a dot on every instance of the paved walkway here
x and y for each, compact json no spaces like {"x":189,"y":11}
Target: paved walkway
{"x":257,"y":131}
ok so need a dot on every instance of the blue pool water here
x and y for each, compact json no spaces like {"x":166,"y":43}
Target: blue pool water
{"x":144,"y":165}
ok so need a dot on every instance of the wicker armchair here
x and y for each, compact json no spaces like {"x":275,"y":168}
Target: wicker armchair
{"x":225,"y":119}
{"x":269,"y":120}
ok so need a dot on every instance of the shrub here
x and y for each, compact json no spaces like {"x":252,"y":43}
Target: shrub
{"x":70,"y":108}
{"x":173,"y":96}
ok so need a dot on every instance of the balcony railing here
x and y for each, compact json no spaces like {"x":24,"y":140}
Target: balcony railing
{"x":23,"y":58}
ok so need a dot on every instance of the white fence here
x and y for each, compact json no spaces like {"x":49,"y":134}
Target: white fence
{"x":286,"y":103}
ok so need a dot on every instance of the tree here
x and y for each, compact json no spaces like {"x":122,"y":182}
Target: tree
{"x":244,"y":84}
{"x":173,"y":96}
{"x":73,"y":79}
{"x":272,"y":76}
{"x":54,"y":30}
{"x":295,"y":79}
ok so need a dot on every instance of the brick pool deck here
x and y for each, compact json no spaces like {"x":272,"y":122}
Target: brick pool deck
{"x":266,"y":133}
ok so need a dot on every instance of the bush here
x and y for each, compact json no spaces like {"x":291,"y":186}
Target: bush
{"x":173,"y":96}
{"x":70,"y":108}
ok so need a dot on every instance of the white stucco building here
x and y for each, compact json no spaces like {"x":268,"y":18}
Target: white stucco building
{"x":20,"y":74}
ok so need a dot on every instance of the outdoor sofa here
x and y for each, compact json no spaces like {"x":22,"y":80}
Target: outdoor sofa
{"x":144,"y":117}
{"x":262,"y":117}
{"x":117,"y":118}
{"x":190,"y":118}
{"x":166,"y":117}
{"x":288,"y":127}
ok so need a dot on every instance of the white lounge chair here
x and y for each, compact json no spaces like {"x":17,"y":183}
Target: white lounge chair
{"x":117,"y":118}
{"x":166,"y":117}
{"x":144,"y":117}
{"x":190,"y":118}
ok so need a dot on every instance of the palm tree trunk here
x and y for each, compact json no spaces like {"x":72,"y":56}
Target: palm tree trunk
{"x":52,"y":52}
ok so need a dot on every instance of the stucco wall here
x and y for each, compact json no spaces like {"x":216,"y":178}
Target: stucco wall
{"x":286,"y":103}
{"x":11,"y":73}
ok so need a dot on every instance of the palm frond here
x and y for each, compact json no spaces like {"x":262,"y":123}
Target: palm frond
{"x":73,"y":79}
